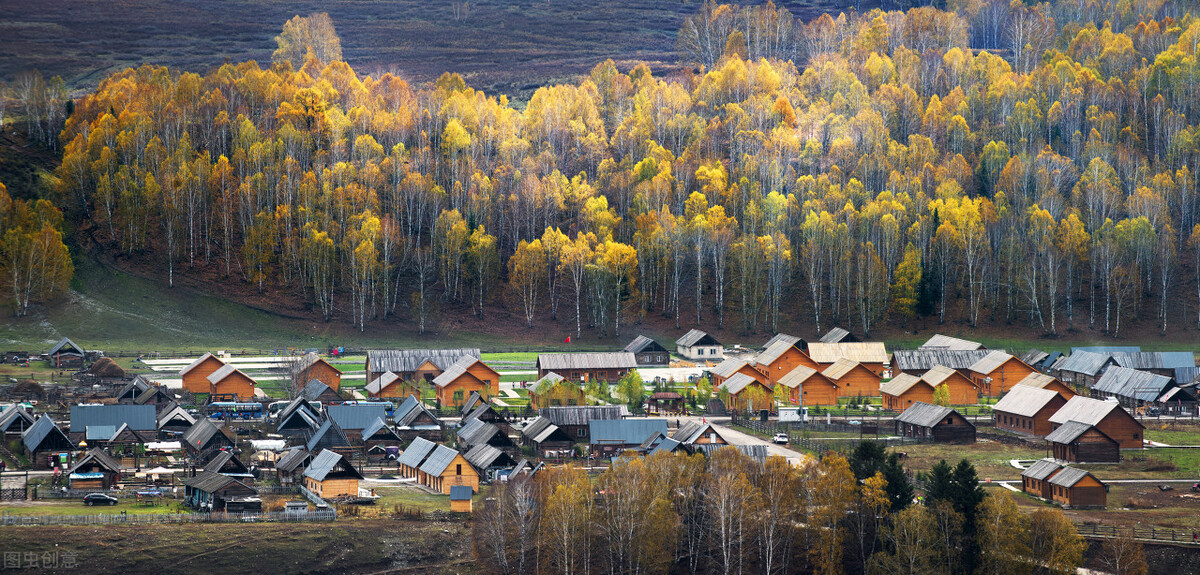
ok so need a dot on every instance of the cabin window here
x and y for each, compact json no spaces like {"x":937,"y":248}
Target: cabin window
{"x":458,"y":395}
{"x":582,"y":432}
{"x":458,"y":469}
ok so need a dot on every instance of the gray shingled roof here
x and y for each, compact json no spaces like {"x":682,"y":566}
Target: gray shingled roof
{"x":696,"y":337}
{"x":900,"y":384}
{"x":938,"y":374}
{"x":409,"y":410}
{"x":210,"y":482}
{"x":840,"y":368}
{"x":1034,"y":356}
{"x":598,"y":360}
{"x":439,"y":459}
{"x":1068,"y":477}
{"x":223,"y":458}
{"x":293,"y":458}
{"x":737,"y":383}
{"x":1085,"y":362}
{"x":1041,"y":469}
{"x":99,"y":457}
{"x":136,"y":385}
{"x":797,"y":376}
{"x":12,"y":415}
{"x":624,"y":431}
{"x":461,"y":492}
{"x":580,"y":414}
{"x":1025,"y":400}
{"x":378,"y":384}
{"x":358,"y":416}
{"x":860,"y":351}
{"x":476,"y":431}
{"x":728,"y":367}
{"x":924,"y":414}
{"x":667,"y":444}
{"x":991,"y":362}
{"x":642,"y":343}
{"x":326,"y":462}
{"x":774,"y":352}
{"x":455,"y":371}
{"x":199,"y":434}
{"x":1037,"y":380}
{"x":693,"y":430}
{"x":416,"y":452}
{"x":376,"y":426}
{"x":223,"y":372}
{"x":1068,"y":432}
{"x":1155,"y":359}
{"x":330,"y":434}
{"x":484,"y":456}
{"x":1085,"y":409}
{"x":790,"y":339}
{"x":314,"y":389}
{"x":408,"y":360}
{"x":65,"y":345}
{"x":949,"y":343}
{"x":199,"y":361}
{"x":139,"y":417}
{"x":541,"y":429}
{"x":42,"y":428}
{"x":837,"y":335}
{"x":923,"y":359}
{"x":1132,"y":384}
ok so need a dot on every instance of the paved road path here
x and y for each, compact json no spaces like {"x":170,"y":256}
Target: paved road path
{"x":736,"y":437}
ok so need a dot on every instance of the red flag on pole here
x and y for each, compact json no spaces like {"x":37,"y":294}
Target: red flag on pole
{"x":568,"y":340}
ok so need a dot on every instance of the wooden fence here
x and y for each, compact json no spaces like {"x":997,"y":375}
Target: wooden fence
{"x":1140,"y":532}
{"x":162,"y":518}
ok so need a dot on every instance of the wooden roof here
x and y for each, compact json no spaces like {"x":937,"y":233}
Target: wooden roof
{"x":696,"y":337}
{"x":861,"y":351}
{"x":595,"y":360}
{"x":1025,"y":400}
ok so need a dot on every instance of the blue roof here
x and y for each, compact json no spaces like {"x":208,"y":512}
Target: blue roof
{"x":37,"y":433}
{"x":104,"y":432}
{"x":461,"y":492}
{"x":624,"y":431}
{"x":139,"y":417}
{"x":356,"y":416}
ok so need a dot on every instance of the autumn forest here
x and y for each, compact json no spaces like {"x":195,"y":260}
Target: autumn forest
{"x":986,"y":163}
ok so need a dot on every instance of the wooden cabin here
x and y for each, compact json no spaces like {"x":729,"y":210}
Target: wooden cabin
{"x":1078,"y":442}
{"x":733,"y":366}
{"x":962,"y":390}
{"x":936,"y":423}
{"x":390,"y":386}
{"x":465,"y":376}
{"x":1082,"y":368}
{"x":14,"y":421}
{"x":195,"y":375}
{"x":905,"y":390}
{"x":1044,"y":381}
{"x":313,"y":366}
{"x":488,"y":461}
{"x":46,"y":444}
{"x":173,"y":421}
{"x":1035,"y":480}
{"x":208,"y":491}
{"x":1077,"y":489}
{"x":414,"y":420}
{"x":853,"y":379}
{"x":587,"y":367}
{"x":410,"y":460}
{"x":460,"y":498}
{"x":554,"y":390}
{"x":780,"y":359}
{"x":1026,"y":409}
{"x":745,"y":393}
{"x":414,"y":364}
{"x":65,"y":354}
{"x":230,"y":381}
{"x":203,"y":439}
{"x":317,"y":390}
{"x":1107,"y":416}
{"x":871,"y":354}
{"x":608,"y":438}
{"x":290,"y":467}
{"x":477,"y":432}
{"x":997,"y":372}
{"x":697,"y":345}
{"x":648,"y":353}
{"x":698,"y":433}
{"x":919,"y":361}
{"x":96,"y":470}
{"x":445,"y":468}
{"x":331,"y":476}
{"x":576,"y":421}
{"x":547,"y":439}
{"x":807,"y":386}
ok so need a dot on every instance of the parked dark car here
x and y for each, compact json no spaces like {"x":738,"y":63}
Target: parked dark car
{"x":99,"y":499}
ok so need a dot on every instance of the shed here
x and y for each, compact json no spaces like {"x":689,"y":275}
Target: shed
{"x":1035,"y":480}
{"x":414,"y":364}
{"x":331,"y":476}
{"x":314,"y":367}
{"x":1107,"y":416}
{"x":609,"y":438}
{"x":172,"y":421}
{"x":477,"y":432}
{"x":137,"y":417}
{"x":298,"y":418}
{"x":1083,"y":368}
{"x":807,"y":386}
{"x":445,"y":468}
{"x":1132,"y":388}
{"x":1027,"y":409}
{"x":195,"y":375}
{"x":697,"y":345}
{"x":786,"y":338}
{"x":460,"y":498}
{"x":226,"y":463}
{"x":587,"y":367}
{"x":466,"y":376}
{"x":665,"y":402}
{"x":648,"y":352}
{"x":487,"y":460}
{"x":486,"y":413}
{"x":1079,"y":442}
{"x":1078,"y":489}
{"x":157,"y":396}
{"x":44,"y":441}
{"x":998,"y":371}
{"x":210,"y":491}
{"x":95,"y":470}
{"x":130,"y":391}
{"x":936,"y":423}
{"x":852,"y":378}
{"x":379,"y":434}
{"x":329,"y":436}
